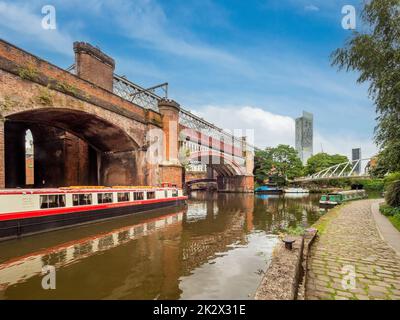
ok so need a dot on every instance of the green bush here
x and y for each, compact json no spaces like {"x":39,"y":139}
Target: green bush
{"x":392,"y":196}
{"x":372,"y":184}
{"x":391,"y":178}
{"x":389,"y":211}
{"x":295,"y":231}
{"x":395,"y":220}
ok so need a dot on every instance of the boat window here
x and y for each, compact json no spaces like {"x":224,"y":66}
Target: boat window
{"x":123,"y":196}
{"x":175,"y":193}
{"x":52,"y":201}
{"x":104,"y":198}
{"x":138,"y":195}
{"x":151,"y":195}
{"x":82,"y":199}
{"x":165,"y":193}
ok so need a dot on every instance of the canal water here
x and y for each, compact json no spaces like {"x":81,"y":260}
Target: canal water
{"x":217,"y":247}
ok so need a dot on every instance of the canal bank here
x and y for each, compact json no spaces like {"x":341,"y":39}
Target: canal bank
{"x":350,"y":259}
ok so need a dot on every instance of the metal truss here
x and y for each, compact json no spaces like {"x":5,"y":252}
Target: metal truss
{"x":342,"y":170}
{"x":149,"y":98}
{"x":191,"y":121}
{"x":146,"y":98}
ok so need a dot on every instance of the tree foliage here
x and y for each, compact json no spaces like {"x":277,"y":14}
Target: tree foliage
{"x":321,"y":161}
{"x":392,"y":196}
{"x":375,"y":54}
{"x":280,"y":163}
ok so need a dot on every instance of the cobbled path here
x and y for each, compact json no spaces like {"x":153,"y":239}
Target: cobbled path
{"x":351,"y":261}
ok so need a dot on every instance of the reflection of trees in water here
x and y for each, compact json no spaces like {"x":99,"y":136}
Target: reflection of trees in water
{"x":278,"y":212}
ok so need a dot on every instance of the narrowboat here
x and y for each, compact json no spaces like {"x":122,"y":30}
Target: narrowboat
{"x":270,"y":188}
{"x":29,"y":211}
{"x":333,"y":199}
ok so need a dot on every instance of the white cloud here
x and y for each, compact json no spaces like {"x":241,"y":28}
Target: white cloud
{"x":271,"y":129}
{"x":26,"y":22}
{"x":311,"y":7}
{"x":146,"y":22}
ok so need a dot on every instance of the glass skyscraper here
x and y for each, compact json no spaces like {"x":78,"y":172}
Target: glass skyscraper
{"x":304,"y":136}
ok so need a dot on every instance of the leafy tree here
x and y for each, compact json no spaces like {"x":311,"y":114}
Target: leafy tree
{"x":278,"y":163}
{"x":262,"y":165}
{"x":286,"y":161}
{"x":375,"y":54}
{"x":321,"y":161}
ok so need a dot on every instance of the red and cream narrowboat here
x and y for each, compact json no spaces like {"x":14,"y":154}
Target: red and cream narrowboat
{"x":29,"y":211}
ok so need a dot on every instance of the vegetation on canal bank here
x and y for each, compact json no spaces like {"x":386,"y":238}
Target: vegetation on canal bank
{"x":324,"y":221}
{"x":332,"y":184}
{"x":392,"y":207}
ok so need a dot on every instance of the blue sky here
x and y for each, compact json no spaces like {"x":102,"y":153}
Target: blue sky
{"x":240,"y":64}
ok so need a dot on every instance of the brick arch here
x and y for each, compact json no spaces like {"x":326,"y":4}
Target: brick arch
{"x":100,"y":133}
{"x":224,"y":165}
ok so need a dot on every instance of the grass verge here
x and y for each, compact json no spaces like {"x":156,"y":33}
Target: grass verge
{"x":395,"y":220}
{"x":324,"y":221}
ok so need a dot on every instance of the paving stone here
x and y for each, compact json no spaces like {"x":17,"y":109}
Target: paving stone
{"x":351,"y":241}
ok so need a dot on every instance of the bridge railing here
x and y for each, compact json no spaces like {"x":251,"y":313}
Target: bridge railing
{"x":352,"y":168}
{"x":149,"y":98}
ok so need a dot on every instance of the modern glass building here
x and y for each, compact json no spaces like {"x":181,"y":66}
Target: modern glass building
{"x":304,"y":136}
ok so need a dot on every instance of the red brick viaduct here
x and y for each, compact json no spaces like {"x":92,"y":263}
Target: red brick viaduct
{"x":83,"y":133}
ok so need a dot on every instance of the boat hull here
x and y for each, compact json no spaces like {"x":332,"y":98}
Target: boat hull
{"x":269,"y":192}
{"x":15,"y":228}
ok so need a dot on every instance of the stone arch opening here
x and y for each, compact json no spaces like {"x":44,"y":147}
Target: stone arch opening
{"x":217,"y":162}
{"x":29,"y":159}
{"x":70,"y":148}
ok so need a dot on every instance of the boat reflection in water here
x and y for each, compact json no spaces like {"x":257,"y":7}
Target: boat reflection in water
{"x":21,"y":269}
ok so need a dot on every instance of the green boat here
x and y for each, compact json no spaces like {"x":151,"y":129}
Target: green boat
{"x":333,"y":199}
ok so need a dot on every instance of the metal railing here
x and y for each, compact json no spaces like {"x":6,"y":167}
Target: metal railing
{"x":149,"y":98}
{"x":351,"y":168}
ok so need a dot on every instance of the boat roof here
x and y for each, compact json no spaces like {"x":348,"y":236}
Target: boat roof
{"x":65,"y":190}
{"x":347,"y":192}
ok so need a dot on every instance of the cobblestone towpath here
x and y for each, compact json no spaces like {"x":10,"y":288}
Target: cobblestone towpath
{"x":350,"y":260}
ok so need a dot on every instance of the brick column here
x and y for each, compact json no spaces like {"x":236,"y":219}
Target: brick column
{"x":2,"y":156}
{"x":169,"y":110}
{"x":93,"y":65}
{"x":171,"y":169}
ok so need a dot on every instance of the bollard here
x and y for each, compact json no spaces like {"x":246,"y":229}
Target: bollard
{"x":289,"y":243}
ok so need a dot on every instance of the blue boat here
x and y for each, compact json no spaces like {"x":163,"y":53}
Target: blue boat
{"x":269,"y":189}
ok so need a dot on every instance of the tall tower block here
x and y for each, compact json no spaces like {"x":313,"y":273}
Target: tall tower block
{"x":304,"y":136}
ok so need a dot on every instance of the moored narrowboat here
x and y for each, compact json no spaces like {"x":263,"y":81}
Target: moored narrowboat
{"x":270,"y":188}
{"x":29,"y":211}
{"x":296,"y":190}
{"x":333,"y":199}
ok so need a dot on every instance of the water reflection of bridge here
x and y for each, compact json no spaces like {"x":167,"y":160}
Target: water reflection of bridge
{"x":216,"y":232}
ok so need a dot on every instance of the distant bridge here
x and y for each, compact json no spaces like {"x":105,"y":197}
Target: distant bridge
{"x":345,"y":170}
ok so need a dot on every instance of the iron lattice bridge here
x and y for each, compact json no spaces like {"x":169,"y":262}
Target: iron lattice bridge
{"x":349,"y":169}
{"x":148,"y":98}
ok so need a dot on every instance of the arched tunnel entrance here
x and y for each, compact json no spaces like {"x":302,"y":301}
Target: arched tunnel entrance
{"x":68,"y":147}
{"x":229,"y":175}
